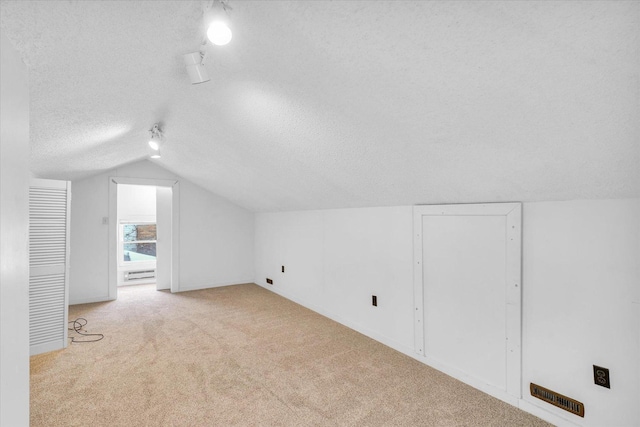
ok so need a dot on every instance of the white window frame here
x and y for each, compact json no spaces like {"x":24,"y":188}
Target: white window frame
{"x":121,"y":242}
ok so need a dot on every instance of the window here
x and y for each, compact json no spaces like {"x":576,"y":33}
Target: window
{"x":138,"y":242}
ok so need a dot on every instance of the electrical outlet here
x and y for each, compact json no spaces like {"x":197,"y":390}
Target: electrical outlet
{"x":269,"y":281}
{"x":374,"y":300}
{"x":601,"y":376}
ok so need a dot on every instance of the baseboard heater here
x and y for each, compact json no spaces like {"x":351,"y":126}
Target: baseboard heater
{"x":139,"y":275}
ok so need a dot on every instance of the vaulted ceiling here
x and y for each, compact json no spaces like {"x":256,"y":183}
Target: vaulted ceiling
{"x":324,"y":104}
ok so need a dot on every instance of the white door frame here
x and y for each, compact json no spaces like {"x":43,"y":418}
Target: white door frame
{"x":513,"y":291}
{"x":113,"y":228}
{"x":164,"y":196}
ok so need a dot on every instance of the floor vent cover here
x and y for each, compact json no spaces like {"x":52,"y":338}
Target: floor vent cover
{"x":556,"y":399}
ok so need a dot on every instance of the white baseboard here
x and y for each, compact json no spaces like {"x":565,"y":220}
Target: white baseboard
{"x":215,"y":285}
{"x":358,"y":328}
{"x":47,"y":347}
{"x":90,"y":300}
{"x":545,"y":414}
{"x":459,"y":375}
{"x":182,"y":289}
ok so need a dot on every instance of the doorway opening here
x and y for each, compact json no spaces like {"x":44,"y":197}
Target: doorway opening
{"x":137,"y":234}
{"x":143,"y":233}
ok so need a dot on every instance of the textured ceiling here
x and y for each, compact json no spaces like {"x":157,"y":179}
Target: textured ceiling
{"x":324,"y":104}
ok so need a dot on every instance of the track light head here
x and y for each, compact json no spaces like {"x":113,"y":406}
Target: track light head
{"x":219,"y":33}
{"x":216,"y":20}
{"x":155,"y":141}
{"x":195,"y":67}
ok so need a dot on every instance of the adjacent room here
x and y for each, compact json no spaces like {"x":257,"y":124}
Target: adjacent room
{"x":331,"y":213}
{"x":137,"y":234}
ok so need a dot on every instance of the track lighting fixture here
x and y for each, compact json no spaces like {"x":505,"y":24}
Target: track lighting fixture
{"x":216,"y":23}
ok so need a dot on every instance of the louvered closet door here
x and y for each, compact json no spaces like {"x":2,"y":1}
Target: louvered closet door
{"x":49,"y":203}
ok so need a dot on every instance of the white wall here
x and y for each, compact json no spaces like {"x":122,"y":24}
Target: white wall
{"x":137,"y":202}
{"x":89,"y":272}
{"x":581,"y":265}
{"x":216,"y":236}
{"x":336,"y":259}
{"x":581,"y":284}
{"x":14,"y":229}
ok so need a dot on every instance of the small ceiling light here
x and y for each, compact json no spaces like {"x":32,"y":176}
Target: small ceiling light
{"x":155,"y":141}
{"x":217,"y":23}
{"x":219,"y":33}
{"x":195,"y":67}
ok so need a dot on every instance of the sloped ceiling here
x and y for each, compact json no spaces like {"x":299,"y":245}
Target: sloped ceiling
{"x":324,"y":104}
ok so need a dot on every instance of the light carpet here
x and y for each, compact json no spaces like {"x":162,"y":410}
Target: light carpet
{"x":241,"y":355}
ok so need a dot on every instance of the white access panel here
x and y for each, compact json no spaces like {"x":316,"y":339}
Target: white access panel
{"x":464,"y":308}
{"x":49,"y":206}
{"x":467,"y":293}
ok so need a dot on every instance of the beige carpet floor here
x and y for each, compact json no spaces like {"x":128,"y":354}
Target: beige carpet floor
{"x":241,"y":355}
